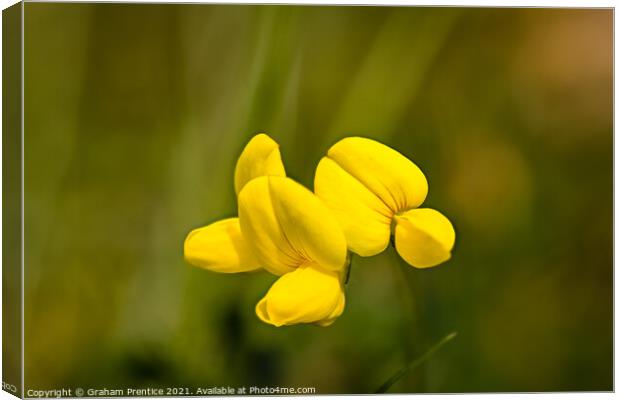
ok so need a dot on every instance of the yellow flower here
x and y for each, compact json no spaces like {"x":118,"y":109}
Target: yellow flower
{"x":283,"y":228}
{"x":220,"y":247}
{"x":374,"y":192}
{"x":294,"y":235}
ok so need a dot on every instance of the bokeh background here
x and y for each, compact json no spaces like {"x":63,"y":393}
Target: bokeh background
{"x":135,"y":115}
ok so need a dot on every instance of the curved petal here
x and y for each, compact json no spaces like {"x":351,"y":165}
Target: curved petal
{"x":307,"y":223}
{"x":262,"y":229}
{"x":288,"y":225}
{"x":261,"y":156}
{"x":395,"y":179}
{"x":364,"y":218}
{"x":220,"y":247}
{"x":424,"y":237}
{"x":335,"y":314}
{"x":309,"y":294}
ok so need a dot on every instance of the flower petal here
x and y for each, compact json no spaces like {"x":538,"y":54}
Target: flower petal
{"x":261,"y":156}
{"x":335,"y":314}
{"x":395,"y":179}
{"x":262,"y":229}
{"x":220,"y":247}
{"x":310,"y":294}
{"x":308,"y":224}
{"x":288,"y":226}
{"x":364,"y":218}
{"x":424,"y":237}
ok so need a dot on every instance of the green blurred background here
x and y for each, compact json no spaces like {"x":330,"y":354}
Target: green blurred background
{"x":135,"y":115}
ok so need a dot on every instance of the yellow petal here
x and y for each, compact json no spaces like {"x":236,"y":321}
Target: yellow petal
{"x":261,"y":156}
{"x":261,"y":228}
{"x":395,"y":179}
{"x":220,"y":247}
{"x":335,"y":314}
{"x":364,"y":218}
{"x":424,"y":237}
{"x":310,"y":294}
{"x":307,"y":223}
{"x":287,"y":225}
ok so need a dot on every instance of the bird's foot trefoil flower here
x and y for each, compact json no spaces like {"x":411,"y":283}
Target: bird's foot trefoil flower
{"x":366,"y":195}
{"x":374,"y":192}
{"x":282,"y":228}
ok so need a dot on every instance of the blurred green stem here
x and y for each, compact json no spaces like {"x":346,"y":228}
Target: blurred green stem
{"x":415,"y":363}
{"x":413,"y":338}
{"x":348,"y":266}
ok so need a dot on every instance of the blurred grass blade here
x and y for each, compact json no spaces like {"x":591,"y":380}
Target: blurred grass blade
{"x":393,"y":71}
{"x":415,"y":363}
